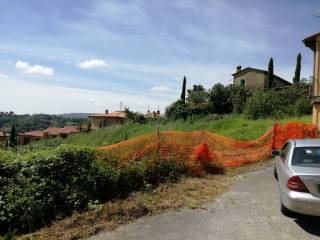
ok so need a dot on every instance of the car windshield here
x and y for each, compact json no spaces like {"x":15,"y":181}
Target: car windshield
{"x":306,"y":157}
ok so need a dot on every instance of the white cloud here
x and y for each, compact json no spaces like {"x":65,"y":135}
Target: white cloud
{"x":161,"y":88}
{"x":69,"y":99}
{"x":95,"y":102}
{"x":93,"y":63}
{"x":3,"y":75}
{"x":34,"y":69}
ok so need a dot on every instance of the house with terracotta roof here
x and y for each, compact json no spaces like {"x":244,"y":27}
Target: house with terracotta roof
{"x":107,"y":119}
{"x":254,"y":78}
{"x":27,"y":137}
{"x":4,"y":138}
{"x":60,"y":132}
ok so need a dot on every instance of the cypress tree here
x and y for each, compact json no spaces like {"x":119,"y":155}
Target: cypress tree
{"x":296,"y":79}
{"x":270,"y":77}
{"x":183,"y":93}
{"x":89,"y":126}
{"x":13,"y":137}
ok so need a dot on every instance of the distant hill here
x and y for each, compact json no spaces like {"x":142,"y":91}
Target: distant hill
{"x":74,"y":115}
{"x":27,"y":122}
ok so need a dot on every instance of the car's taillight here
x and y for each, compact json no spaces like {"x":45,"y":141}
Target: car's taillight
{"x":295,"y":184}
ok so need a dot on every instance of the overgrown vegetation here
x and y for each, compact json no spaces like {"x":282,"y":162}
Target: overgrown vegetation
{"x":37,"y":188}
{"x":291,"y":101}
{"x":256,"y":103}
{"x":236,"y":126}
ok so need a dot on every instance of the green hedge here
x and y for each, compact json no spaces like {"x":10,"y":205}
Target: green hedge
{"x":289,"y":101}
{"x":37,"y":188}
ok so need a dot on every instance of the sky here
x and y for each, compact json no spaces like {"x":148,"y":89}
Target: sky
{"x":89,"y":55}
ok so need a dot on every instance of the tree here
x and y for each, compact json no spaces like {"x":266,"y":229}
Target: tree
{"x":178,"y":109}
{"x":89,"y":126}
{"x":296,"y":78}
{"x":197,"y":95}
{"x":221,"y":98}
{"x":184,"y":86}
{"x":13,"y":137}
{"x":270,"y":76}
{"x":239,"y":98}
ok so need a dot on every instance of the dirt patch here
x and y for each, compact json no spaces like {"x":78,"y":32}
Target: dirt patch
{"x":188,"y":192}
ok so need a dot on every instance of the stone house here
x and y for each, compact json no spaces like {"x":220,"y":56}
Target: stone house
{"x":107,"y":119}
{"x":27,"y":137}
{"x":4,"y":138}
{"x":254,"y":78}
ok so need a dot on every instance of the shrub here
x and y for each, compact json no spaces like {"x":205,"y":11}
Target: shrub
{"x":220,"y":98}
{"x":259,"y":106}
{"x":276,"y":103}
{"x":239,"y":98}
{"x":37,"y":188}
{"x":164,"y":170}
{"x":303,"y":106}
{"x":178,"y":109}
{"x":131,"y":178}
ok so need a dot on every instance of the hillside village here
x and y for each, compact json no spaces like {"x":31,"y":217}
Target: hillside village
{"x":251,"y":79}
{"x":227,"y":132}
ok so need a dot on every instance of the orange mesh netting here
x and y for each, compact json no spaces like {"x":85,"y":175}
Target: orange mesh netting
{"x":203,"y":146}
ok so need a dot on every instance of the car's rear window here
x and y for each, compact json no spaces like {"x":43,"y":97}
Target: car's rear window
{"x":306,"y":157}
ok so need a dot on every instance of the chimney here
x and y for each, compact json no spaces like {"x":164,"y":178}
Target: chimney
{"x":106,"y":111}
{"x":238,"y":68}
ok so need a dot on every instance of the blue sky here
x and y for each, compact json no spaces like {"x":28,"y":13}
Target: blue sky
{"x":88,"y":55}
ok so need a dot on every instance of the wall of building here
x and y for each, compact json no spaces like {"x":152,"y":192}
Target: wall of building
{"x":106,"y":122}
{"x":256,"y":80}
{"x":252,"y":79}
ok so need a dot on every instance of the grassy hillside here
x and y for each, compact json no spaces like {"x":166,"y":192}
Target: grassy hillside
{"x":235,"y":126}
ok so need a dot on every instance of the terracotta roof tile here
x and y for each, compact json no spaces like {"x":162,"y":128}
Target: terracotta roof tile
{"x":57,"y":131}
{"x":32,"y":134}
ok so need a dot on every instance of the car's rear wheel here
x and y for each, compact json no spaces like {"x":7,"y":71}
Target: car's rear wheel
{"x":285,"y":211}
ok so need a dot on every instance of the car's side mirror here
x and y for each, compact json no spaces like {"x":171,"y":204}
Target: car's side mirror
{"x":275,"y":153}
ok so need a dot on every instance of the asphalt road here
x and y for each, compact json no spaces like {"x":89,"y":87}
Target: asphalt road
{"x":250,"y":210}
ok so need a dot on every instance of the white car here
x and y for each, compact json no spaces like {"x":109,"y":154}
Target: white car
{"x":297,"y":170}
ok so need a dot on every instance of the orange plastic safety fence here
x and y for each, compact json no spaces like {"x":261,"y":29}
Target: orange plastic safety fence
{"x":201,"y":147}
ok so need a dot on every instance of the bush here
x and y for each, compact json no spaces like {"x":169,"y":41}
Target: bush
{"x":220,"y":98}
{"x":303,"y":106}
{"x":131,"y":179}
{"x":178,"y":109}
{"x":260,"y":106}
{"x":164,"y":170}
{"x":277,"y":103}
{"x":239,"y":98}
{"x":37,"y":188}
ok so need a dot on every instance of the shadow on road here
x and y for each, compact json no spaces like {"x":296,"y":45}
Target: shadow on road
{"x":309,"y":224}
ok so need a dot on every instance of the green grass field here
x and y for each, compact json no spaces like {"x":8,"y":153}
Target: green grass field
{"x":235,"y":126}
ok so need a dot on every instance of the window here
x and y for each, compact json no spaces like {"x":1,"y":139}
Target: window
{"x":242,"y":82}
{"x":306,"y":157}
{"x":285,"y":151}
